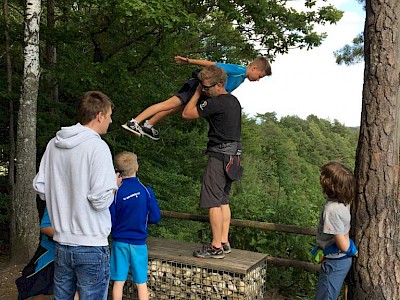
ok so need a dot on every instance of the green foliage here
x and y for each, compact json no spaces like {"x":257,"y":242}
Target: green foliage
{"x":126,"y":49}
{"x":353,"y":53}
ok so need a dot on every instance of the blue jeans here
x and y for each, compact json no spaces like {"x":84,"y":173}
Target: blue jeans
{"x":82,"y":268}
{"x":331,"y":277}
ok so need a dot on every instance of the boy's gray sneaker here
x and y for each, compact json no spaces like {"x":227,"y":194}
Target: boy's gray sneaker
{"x":133,"y":127}
{"x":227,"y":247}
{"x":150,"y":132}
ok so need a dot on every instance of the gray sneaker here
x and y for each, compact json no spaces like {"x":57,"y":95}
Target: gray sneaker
{"x":133,"y":127}
{"x":227,"y":247}
{"x":209,"y":251}
{"x":150,"y":132}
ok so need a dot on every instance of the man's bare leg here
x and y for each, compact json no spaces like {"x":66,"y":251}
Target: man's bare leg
{"x":215,"y":214}
{"x":226,"y":221}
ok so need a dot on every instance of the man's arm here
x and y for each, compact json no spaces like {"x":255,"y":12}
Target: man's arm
{"x":190,"y":111}
{"x":199,"y":62}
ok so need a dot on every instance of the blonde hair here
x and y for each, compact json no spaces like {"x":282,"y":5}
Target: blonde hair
{"x":213,"y":74}
{"x":126,"y":163}
{"x":262,"y":64}
{"x":338,"y":182}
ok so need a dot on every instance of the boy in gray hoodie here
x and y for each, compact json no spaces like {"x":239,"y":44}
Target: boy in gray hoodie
{"x":76,"y":178}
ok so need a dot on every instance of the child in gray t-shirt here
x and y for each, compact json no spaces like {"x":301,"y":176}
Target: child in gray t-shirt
{"x":339,"y":186}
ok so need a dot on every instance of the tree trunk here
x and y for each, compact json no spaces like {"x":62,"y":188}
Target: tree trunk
{"x":25,"y":237}
{"x":11,"y":133}
{"x":375,"y":215}
{"x":51,"y":55}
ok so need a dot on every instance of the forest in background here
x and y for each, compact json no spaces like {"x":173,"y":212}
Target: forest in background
{"x":126,"y":50}
{"x":280,"y":184}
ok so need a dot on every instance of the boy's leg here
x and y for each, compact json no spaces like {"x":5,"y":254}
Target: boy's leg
{"x":331,"y":277}
{"x":139,"y":266}
{"x":117,"y":291}
{"x":166,"y":105}
{"x":119,"y":267}
{"x":143,"y":292}
{"x":163,"y":114}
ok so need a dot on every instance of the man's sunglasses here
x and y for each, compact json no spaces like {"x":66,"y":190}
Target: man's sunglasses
{"x":207,"y":87}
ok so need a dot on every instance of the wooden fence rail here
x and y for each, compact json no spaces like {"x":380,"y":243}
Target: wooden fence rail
{"x":257,"y":225}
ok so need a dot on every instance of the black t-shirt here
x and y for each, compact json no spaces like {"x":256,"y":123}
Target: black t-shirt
{"x":224,"y":116}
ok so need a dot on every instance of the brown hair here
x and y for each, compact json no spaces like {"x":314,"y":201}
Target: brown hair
{"x":213,"y":74}
{"x":91,"y":104}
{"x":338,"y":182}
{"x":126,"y":163}
{"x":262,"y":64}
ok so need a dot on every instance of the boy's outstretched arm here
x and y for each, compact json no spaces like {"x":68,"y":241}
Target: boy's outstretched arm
{"x":199,"y":62}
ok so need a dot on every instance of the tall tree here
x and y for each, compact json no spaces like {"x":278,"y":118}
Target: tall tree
{"x":376,"y":212}
{"x":24,"y":233}
{"x":11,"y":133}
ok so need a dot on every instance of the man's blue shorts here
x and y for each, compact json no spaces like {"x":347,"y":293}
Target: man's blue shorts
{"x":125,"y":255}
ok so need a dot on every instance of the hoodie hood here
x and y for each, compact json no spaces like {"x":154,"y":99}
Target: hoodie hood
{"x":72,"y":136}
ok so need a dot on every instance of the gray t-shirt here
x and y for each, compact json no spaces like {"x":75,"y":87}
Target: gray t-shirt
{"x":335,"y":219}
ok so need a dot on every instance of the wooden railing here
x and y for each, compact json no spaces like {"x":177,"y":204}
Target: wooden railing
{"x":257,"y":225}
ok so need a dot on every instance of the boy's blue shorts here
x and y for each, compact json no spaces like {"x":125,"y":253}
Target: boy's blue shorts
{"x":125,"y":255}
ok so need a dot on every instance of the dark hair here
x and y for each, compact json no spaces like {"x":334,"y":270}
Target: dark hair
{"x":91,"y":104}
{"x":338,"y":182}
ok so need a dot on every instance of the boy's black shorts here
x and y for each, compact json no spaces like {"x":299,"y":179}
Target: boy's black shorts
{"x":188,"y":89}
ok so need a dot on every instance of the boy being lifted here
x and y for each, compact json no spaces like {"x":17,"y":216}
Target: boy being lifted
{"x":236,"y":75}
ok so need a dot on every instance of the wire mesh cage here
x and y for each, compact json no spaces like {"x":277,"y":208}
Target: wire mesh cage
{"x":174,"y":280}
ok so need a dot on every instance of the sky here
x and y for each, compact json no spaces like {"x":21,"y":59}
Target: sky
{"x":310,"y":82}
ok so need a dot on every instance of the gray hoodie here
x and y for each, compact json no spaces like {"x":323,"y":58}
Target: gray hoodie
{"x":76,"y":178}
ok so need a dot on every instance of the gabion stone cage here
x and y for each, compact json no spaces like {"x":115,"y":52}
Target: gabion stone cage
{"x":173,"y":273}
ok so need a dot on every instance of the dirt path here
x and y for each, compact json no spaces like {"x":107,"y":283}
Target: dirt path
{"x":8,"y":273}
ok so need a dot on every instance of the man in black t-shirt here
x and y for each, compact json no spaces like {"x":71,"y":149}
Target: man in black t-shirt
{"x":224,"y":115}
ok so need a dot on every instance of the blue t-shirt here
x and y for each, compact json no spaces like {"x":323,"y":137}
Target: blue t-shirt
{"x":236,"y":75}
{"x":46,"y":243}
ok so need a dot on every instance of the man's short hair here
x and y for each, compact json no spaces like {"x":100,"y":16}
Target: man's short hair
{"x":213,"y":74}
{"x":91,"y":104}
{"x":262,"y":64}
{"x":126,"y":162}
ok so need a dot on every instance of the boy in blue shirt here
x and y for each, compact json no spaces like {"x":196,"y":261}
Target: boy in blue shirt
{"x":38,"y":276}
{"x":134,"y":206}
{"x":236,"y":74}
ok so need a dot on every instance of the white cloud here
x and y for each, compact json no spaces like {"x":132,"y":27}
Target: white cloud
{"x":310,"y":82}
